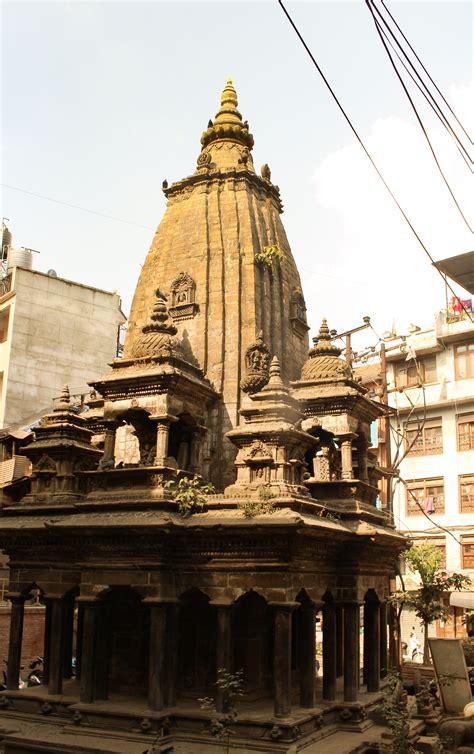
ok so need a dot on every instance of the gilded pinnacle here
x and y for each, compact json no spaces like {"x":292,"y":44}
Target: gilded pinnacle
{"x":228,"y":124}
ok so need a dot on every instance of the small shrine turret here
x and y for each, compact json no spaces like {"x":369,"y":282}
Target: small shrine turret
{"x":271,"y":445}
{"x":62,"y":449}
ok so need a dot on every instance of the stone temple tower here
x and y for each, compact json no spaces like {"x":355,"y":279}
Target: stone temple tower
{"x":221,"y":258}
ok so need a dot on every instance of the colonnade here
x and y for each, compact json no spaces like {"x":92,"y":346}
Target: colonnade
{"x":341,"y":643}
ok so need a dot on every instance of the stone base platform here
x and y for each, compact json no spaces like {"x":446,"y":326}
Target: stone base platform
{"x":33,"y":721}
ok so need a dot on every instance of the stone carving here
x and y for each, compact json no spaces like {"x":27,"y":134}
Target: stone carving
{"x":77,"y":718}
{"x":183,"y":292}
{"x":204,"y":160}
{"x":46,"y":464}
{"x":158,"y":336}
{"x":46,"y":709}
{"x":265,"y":172}
{"x":324,"y":362}
{"x":276,"y":733}
{"x":258,"y":452}
{"x":257,"y":363}
{"x":298,"y":313}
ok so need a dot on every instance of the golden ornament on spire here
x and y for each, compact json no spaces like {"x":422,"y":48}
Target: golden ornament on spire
{"x":228,"y":124}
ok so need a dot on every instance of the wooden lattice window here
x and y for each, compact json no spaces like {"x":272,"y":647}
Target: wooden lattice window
{"x":464,"y":360}
{"x":426,"y":439}
{"x":410,"y":373}
{"x":466,"y":493}
{"x":425,"y":495}
{"x":467,"y":552}
{"x":465,"y":424}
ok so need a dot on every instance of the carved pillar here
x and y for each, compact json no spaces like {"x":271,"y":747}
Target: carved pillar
{"x":307,"y":653}
{"x":108,"y":457}
{"x":351,"y":651}
{"x":362,"y":446}
{"x":171,"y":653}
{"x":156,"y":676}
{"x":383,"y":640}
{"x":282,"y":656}
{"x":162,"y":437}
{"x":339,"y":641}
{"x":79,"y":635}
{"x":47,"y":640}
{"x":329,"y":651}
{"x":56,"y":646}
{"x":223,"y":647}
{"x":102,"y":637}
{"x":88,"y":650}
{"x":346,"y":456}
{"x":372,"y":645}
{"x":15,"y":641}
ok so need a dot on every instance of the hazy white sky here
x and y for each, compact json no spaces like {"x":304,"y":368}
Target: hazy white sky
{"x":101,"y":101}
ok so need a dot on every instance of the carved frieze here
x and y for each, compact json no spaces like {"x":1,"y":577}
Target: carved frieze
{"x":298,"y":313}
{"x":183,"y":294}
{"x":257,"y":364}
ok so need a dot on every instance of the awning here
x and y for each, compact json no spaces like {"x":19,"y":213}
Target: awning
{"x":462,"y":599}
{"x":460,"y":269}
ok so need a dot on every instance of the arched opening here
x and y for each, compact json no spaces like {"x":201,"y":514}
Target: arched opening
{"x":145,"y":431}
{"x":253,"y":643}
{"x":196,"y":643}
{"x":124,"y":638}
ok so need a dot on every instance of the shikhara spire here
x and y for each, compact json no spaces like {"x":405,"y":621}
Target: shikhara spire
{"x":228,"y":122}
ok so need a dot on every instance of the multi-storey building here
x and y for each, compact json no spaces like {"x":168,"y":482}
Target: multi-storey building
{"x":430,"y":384}
{"x":52,"y":332}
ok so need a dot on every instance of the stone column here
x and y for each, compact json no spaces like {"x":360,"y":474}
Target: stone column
{"x":339,"y":641}
{"x":195,"y":455}
{"x":383,"y":640}
{"x":329,"y":651}
{"x":79,"y":635}
{"x":282,"y":656}
{"x":68,"y":636}
{"x":171,"y":653}
{"x":102,"y":636}
{"x":351,"y":651}
{"x":47,"y":640}
{"x":307,"y":654}
{"x":156,"y":661}
{"x":108,"y":457}
{"x":346,"y":456}
{"x":372,"y":643}
{"x":88,"y":650}
{"x":362,"y":446}
{"x":162,"y":437}
{"x":56,"y":646}
{"x":15,"y":641}
{"x":223,"y":647}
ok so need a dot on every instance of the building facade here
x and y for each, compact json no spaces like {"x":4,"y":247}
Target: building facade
{"x":430,"y":383}
{"x":52,"y":332}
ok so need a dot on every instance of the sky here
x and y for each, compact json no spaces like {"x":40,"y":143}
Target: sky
{"x":101,"y":101}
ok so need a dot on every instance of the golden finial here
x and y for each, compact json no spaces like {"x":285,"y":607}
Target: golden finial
{"x":229,"y":95}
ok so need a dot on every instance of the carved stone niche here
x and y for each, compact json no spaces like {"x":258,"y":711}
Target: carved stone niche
{"x":298,"y":313}
{"x":183,"y":294}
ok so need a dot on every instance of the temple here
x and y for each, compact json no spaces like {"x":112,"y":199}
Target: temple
{"x":154,"y":581}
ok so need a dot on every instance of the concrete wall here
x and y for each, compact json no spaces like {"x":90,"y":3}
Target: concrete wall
{"x":60,"y":333}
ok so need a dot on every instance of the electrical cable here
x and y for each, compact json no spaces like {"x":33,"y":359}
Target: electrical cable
{"x":385,"y":40}
{"x":75,"y":206}
{"x":422,"y":88}
{"x":361,"y":143}
{"x":427,"y":72}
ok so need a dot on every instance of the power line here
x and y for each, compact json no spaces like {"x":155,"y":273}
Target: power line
{"x":423,"y":89}
{"x":427,"y":73}
{"x":354,"y":131}
{"x":75,"y":206}
{"x":382,"y":36}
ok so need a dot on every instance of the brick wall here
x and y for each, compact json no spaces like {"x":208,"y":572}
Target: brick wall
{"x":33,"y":635}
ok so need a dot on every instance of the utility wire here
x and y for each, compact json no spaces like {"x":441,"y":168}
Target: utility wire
{"x":423,"y":88}
{"x":354,"y":131}
{"x":75,"y":206}
{"x":382,"y":36}
{"x":427,"y":73}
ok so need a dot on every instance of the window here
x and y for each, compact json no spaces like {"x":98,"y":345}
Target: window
{"x":410,"y":373}
{"x":466,"y":493}
{"x":465,"y":424}
{"x":467,"y":552}
{"x":428,"y":493}
{"x":4,"y":319}
{"x":424,"y":439}
{"x":464,"y":361}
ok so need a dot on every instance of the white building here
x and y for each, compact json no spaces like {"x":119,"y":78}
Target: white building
{"x":52,"y":332}
{"x":430,"y":376}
